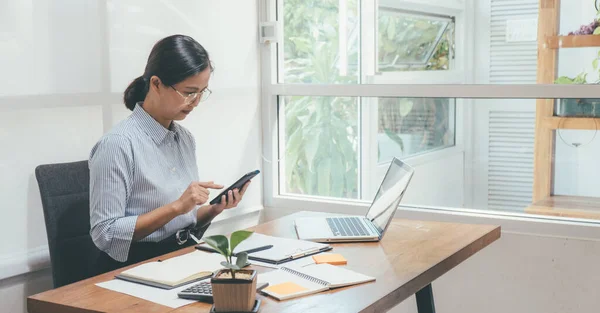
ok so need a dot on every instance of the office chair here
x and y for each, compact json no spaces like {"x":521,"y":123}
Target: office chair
{"x":64,"y":190}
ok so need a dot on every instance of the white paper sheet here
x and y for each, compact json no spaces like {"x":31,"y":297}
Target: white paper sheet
{"x":157,"y":295}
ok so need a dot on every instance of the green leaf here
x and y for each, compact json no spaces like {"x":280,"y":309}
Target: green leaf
{"x":405,"y":107}
{"x":391,"y":29}
{"x":238,"y":237}
{"x":581,"y":78}
{"x":242,"y":259}
{"x":219,"y":243}
{"x":395,"y":138}
{"x":324,"y":177}
{"x":596,"y":31}
{"x":564,"y":80}
{"x":311,"y":149}
{"x":337,"y":175}
{"x":230,"y":266}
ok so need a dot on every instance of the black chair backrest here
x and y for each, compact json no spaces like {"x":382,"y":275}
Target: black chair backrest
{"x":64,"y":189}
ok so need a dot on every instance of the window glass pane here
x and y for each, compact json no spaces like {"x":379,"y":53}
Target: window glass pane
{"x":411,"y":126}
{"x":320,"y":139}
{"x":321,"y":42}
{"x":325,"y":43}
{"x":413,"y":42}
{"x":335,"y":147}
{"x":320,"y":146}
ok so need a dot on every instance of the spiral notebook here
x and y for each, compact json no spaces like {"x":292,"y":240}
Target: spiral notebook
{"x":287,"y":283}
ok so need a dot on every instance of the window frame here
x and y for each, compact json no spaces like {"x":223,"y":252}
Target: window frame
{"x":510,"y":221}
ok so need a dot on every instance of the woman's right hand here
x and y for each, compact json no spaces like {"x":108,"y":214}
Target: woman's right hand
{"x":196,"y":194}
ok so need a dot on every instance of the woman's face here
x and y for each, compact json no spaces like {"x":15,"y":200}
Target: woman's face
{"x":174,"y":100}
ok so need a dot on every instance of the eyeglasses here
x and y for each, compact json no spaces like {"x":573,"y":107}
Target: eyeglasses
{"x":193,"y":96}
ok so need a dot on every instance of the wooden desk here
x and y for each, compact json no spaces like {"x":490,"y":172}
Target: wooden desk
{"x":411,"y":255}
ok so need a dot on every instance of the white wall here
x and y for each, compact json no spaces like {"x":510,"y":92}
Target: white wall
{"x":65,"y":66}
{"x":521,"y":273}
{"x":226,"y":126}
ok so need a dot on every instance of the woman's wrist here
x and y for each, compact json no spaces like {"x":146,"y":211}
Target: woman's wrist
{"x":210,"y":208}
{"x":206,"y":213}
{"x":178,"y":207}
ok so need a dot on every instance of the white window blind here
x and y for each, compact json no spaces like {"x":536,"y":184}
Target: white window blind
{"x":512,"y":62}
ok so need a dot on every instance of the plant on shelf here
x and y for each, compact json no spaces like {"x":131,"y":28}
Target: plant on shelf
{"x":232,"y":280}
{"x":580,"y":107}
{"x":591,"y":29}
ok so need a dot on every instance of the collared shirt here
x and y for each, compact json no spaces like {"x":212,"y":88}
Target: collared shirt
{"x":135,"y":168}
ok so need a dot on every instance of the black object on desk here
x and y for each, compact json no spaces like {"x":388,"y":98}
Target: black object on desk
{"x":300,"y":254}
{"x":285,"y":259}
{"x":203,"y":291}
{"x":210,"y":249}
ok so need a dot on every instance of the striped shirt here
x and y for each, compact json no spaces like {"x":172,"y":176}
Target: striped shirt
{"x":135,"y":168}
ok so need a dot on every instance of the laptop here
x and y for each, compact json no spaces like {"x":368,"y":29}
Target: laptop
{"x":370,"y":227}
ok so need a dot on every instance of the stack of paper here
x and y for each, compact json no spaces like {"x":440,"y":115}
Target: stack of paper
{"x":175,"y":271}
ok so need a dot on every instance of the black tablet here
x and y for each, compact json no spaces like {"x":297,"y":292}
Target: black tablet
{"x":237,"y":185}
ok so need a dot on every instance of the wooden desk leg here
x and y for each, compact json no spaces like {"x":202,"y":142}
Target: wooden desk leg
{"x":425,"y":300}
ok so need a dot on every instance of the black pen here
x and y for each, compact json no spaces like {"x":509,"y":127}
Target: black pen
{"x":210,"y":249}
{"x":256,"y":249}
{"x":205,"y":248}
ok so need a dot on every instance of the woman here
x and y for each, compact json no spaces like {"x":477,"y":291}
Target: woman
{"x":145,"y":197}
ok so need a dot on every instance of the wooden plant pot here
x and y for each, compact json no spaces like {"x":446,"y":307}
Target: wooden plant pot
{"x":234,"y":295}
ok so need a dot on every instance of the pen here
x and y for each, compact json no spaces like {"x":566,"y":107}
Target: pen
{"x":205,"y":248}
{"x":256,"y":249}
{"x":209,"y":249}
{"x":305,"y":252}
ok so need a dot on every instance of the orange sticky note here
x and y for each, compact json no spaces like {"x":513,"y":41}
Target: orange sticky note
{"x":330,"y":258}
{"x":285,"y":288}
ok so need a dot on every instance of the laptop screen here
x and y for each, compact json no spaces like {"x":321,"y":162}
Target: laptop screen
{"x":389,"y":194}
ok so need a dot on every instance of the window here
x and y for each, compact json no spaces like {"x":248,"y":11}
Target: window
{"x":328,"y":142}
{"x":411,"y":126}
{"x":320,"y":42}
{"x":414,"y":41}
{"x":350,"y":85}
{"x":323,"y":142}
{"x":320,"y":141}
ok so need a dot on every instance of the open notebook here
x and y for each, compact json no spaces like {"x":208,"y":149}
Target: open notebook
{"x":282,"y":249}
{"x":176,"y":271}
{"x":286,"y":283}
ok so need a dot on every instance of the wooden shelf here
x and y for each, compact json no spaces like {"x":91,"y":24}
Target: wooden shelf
{"x":554,"y":122}
{"x":575,"y":41}
{"x":567,"y":206}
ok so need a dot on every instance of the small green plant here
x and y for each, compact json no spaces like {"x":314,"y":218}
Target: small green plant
{"x":581,"y":78}
{"x":223,"y":246}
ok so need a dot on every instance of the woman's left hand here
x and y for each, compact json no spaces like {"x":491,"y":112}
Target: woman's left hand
{"x":230,"y":201}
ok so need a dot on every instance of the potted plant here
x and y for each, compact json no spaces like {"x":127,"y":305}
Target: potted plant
{"x":234,"y":289}
{"x":580,"y":107}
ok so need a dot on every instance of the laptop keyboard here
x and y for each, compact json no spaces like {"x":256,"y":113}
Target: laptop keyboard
{"x":347,"y":226}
